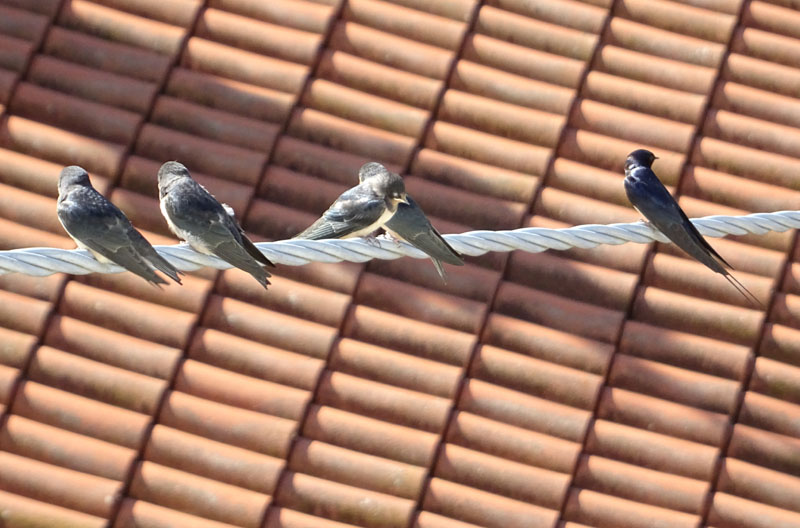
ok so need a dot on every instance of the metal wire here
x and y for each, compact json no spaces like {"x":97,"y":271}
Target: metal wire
{"x":46,"y":261}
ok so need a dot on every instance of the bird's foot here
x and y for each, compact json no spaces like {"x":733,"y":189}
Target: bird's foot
{"x":372,"y":240}
{"x":391,"y":238}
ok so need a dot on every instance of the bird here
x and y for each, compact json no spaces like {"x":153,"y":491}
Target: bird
{"x":362,"y":209}
{"x":207,"y":225}
{"x":98,"y":226}
{"x":655,"y":203}
{"x":409,"y":223}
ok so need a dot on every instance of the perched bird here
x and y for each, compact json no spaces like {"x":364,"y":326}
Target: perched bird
{"x":98,"y":226}
{"x":362,"y":209}
{"x":653,"y":201}
{"x":209,"y":226}
{"x":409,"y":223}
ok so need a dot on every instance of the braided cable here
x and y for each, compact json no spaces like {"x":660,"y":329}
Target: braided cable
{"x":42,"y":261}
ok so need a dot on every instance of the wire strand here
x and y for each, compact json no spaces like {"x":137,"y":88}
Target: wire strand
{"x":42,"y":261}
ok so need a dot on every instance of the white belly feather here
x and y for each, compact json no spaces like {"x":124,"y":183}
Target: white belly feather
{"x":387,"y":214}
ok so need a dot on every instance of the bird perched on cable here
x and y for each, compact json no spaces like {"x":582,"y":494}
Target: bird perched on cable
{"x":98,"y":226}
{"x":207,"y":225}
{"x":409,"y":223}
{"x":362,"y":209}
{"x":653,"y":201}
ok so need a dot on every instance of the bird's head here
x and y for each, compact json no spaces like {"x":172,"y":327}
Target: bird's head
{"x":639,"y":158}
{"x":72,"y":175}
{"x":170,"y":172}
{"x":385,"y":183}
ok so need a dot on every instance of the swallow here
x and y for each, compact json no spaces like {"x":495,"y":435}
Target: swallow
{"x":362,"y":209}
{"x":99,"y":227}
{"x":207,"y":225}
{"x":654,"y":202}
{"x":409,"y":223}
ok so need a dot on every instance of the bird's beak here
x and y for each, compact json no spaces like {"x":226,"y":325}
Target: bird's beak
{"x":404,"y":199}
{"x":656,"y":157}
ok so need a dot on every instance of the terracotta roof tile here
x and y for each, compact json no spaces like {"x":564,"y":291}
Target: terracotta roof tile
{"x":506,"y":368}
{"x":392,"y":404}
{"x":135,"y":513}
{"x":674,"y":384}
{"x":484,"y":508}
{"x":343,"y":503}
{"x":284,"y":331}
{"x":661,"y":416}
{"x":370,"y":436}
{"x":759,"y":484}
{"x":106,"y":309}
{"x":304,"y":15}
{"x":252,"y":430}
{"x":699,"y":22}
{"x":350,"y":467}
{"x":91,"y":18}
{"x":63,"y":487}
{"x":651,"y":450}
{"x":407,"y":335}
{"x":522,"y":410}
{"x":188,"y":493}
{"x":15,"y":53}
{"x":80,"y":414}
{"x":513,"y":443}
{"x":95,"y":380}
{"x":406,"y":22}
{"x":647,"y":486}
{"x":599,"y":508}
{"x":286,"y":518}
{"x":22,"y":510}
{"x":260,"y":37}
{"x":49,"y":444}
{"x":359,"y":359}
{"x":511,"y":479}
{"x":728,"y":509}
{"x":364,"y":108}
{"x":516,"y":89}
{"x":22,"y":24}
{"x":106,"y":55}
{"x":547,"y":344}
{"x":215,"y":460}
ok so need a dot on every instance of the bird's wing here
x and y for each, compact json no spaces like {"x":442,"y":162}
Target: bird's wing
{"x":656,"y":204}
{"x":410,"y":224}
{"x":349,"y":214}
{"x":106,"y":231}
{"x":195,"y":211}
{"x":246,"y":242}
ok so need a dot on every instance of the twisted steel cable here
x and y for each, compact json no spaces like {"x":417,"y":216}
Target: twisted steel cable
{"x":43,"y":261}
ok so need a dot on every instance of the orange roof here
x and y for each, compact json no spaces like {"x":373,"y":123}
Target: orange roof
{"x":621,"y":387}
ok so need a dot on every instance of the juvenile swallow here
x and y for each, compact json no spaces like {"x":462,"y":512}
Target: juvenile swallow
{"x":362,"y":209}
{"x":98,"y":226}
{"x":654,"y":202}
{"x":409,"y":223}
{"x":208,"y":226}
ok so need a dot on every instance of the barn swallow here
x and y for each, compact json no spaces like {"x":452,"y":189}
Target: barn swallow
{"x":98,"y":226}
{"x":362,"y":209}
{"x":409,"y":223}
{"x":654,"y":202}
{"x":209,"y":226}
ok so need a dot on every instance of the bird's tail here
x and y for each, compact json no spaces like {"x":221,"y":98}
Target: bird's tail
{"x":747,"y":294}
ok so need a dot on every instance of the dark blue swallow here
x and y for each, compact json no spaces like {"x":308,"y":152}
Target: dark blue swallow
{"x":654,"y":202}
{"x":409,"y":223}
